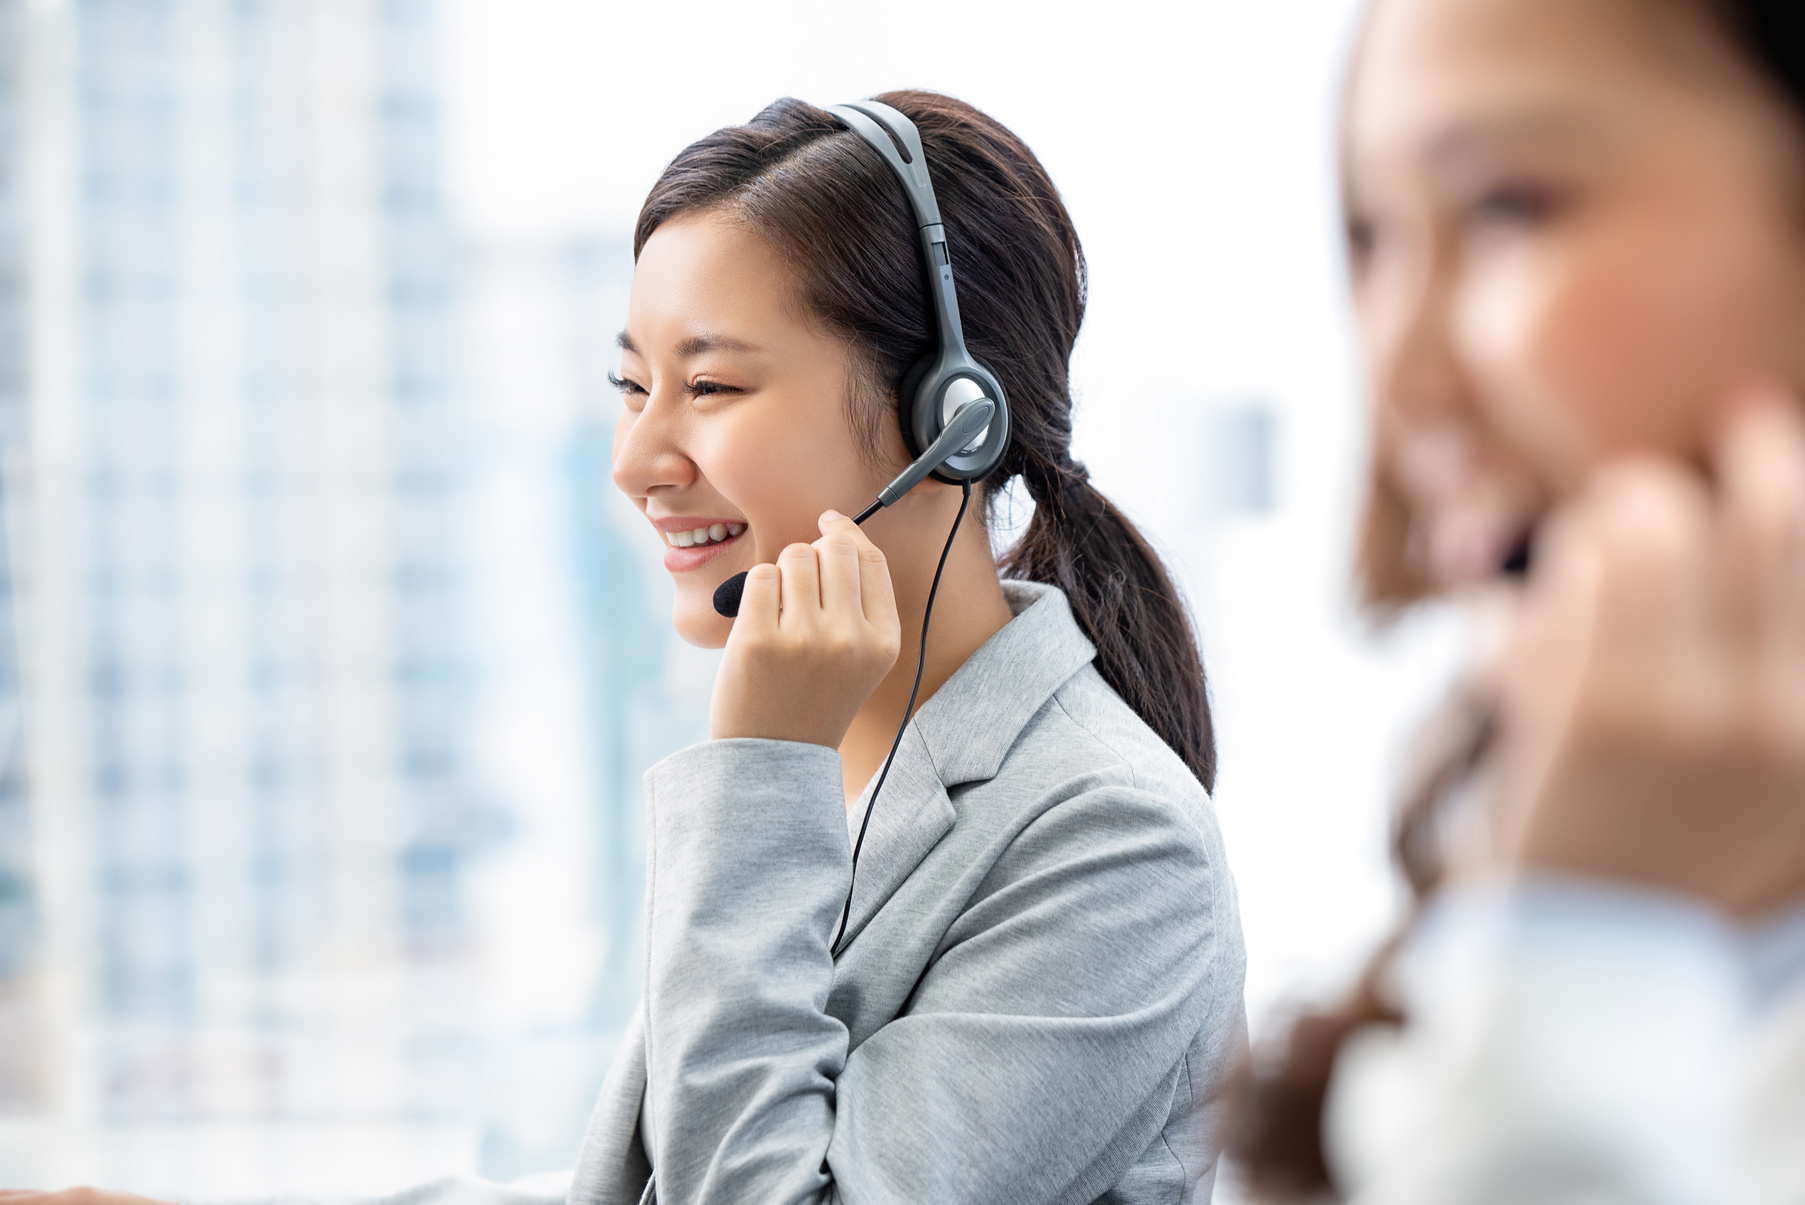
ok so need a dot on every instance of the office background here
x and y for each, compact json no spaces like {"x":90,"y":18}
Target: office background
{"x":329,"y":659}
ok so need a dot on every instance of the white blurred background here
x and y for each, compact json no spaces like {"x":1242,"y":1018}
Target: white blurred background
{"x":329,"y":659}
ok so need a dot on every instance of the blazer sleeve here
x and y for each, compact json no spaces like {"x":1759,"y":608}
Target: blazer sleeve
{"x":1031,"y":1061}
{"x":1567,"y":1042}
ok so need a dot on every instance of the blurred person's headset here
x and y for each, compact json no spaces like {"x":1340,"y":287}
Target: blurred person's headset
{"x":954,"y":413}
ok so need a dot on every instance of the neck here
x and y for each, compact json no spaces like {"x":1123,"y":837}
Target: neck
{"x":969,"y":610}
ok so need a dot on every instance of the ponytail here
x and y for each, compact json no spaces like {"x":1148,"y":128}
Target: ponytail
{"x":1123,"y":598}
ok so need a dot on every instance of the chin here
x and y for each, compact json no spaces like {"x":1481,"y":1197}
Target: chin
{"x":698,"y":623}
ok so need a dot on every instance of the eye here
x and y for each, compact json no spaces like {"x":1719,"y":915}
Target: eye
{"x":1362,"y":235}
{"x":710,"y":388}
{"x":1516,"y":204}
{"x":633,"y":394}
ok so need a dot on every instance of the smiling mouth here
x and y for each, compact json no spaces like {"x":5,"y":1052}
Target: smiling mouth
{"x":718,"y":533}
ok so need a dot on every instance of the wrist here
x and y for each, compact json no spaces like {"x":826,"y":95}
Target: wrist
{"x":789,"y":735}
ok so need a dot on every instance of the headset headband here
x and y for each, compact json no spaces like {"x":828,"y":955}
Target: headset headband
{"x":899,"y":142}
{"x":895,"y":137}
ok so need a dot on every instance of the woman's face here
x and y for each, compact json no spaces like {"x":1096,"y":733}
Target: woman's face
{"x":1575,"y":226}
{"x":734,"y":436}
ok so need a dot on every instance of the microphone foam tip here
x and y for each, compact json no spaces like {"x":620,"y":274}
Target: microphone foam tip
{"x":727,"y":595}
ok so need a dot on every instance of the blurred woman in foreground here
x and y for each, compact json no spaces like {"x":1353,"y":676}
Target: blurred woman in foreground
{"x":1577,"y":241}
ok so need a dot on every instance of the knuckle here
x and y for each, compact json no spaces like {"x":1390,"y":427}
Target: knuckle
{"x":1658,"y":511}
{"x":1774,"y":532}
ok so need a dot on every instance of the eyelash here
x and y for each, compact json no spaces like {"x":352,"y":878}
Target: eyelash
{"x":1515,"y":204}
{"x":695,"y":389}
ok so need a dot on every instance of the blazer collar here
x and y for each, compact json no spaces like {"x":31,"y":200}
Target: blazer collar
{"x":962,"y":735}
{"x":971,"y":723}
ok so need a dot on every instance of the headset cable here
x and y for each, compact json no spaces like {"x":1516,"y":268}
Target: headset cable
{"x":921,"y":660}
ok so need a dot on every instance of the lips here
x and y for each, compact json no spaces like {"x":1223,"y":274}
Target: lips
{"x":683,"y":553}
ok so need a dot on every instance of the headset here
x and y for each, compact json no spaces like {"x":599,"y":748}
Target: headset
{"x":953,"y":410}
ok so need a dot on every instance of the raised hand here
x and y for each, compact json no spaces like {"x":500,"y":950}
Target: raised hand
{"x":817,"y":632}
{"x":1653,"y":702}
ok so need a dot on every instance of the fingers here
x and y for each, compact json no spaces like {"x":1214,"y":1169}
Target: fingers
{"x":802,"y":658}
{"x":760,"y":600}
{"x":1653,"y":714}
{"x":801,"y":586}
{"x":1628,"y":572}
{"x":1760,"y":592}
{"x":875,"y":593}
{"x":837,"y":552}
{"x":841,"y":576}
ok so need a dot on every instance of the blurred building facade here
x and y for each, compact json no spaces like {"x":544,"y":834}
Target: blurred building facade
{"x":21,"y":1003}
{"x":273,"y":829}
{"x":252,"y":637}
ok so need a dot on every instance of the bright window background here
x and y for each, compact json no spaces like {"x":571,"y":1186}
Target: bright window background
{"x":331,"y":659}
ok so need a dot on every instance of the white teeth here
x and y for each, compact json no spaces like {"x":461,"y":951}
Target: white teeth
{"x":713,"y":534}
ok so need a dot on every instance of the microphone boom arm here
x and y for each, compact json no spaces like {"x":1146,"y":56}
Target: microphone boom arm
{"x":967,"y":425}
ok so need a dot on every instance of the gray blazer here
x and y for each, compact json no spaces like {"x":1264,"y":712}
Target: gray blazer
{"x":1039,"y":994}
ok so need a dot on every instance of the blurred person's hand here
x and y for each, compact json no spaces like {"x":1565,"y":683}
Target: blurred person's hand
{"x":1653,"y":697}
{"x":74,"y":1196}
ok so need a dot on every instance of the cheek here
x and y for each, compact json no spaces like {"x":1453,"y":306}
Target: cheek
{"x":781,"y":470}
{"x":1625,"y":340}
{"x":1582,"y":352}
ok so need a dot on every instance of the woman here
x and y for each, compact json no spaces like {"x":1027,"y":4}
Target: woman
{"x":1031,"y":989}
{"x":1034,"y":988}
{"x":1577,"y":236}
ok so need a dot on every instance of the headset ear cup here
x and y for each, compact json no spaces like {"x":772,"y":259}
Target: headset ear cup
{"x":982,"y":461}
{"x":908,"y":401}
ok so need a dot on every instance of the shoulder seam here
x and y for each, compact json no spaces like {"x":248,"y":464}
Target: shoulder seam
{"x":1133,"y":778}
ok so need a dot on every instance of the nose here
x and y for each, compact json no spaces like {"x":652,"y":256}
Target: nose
{"x":1417,"y":376}
{"x":649,"y":455}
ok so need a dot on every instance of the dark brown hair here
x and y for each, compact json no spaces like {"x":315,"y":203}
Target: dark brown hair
{"x":841,"y":221}
{"x":1276,"y":1131}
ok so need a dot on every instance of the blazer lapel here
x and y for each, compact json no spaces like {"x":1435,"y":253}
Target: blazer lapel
{"x":912,"y":814}
{"x":960,"y":735}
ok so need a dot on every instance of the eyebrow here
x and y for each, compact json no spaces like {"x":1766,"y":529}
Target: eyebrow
{"x":693,"y":346}
{"x":1458,"y":144}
